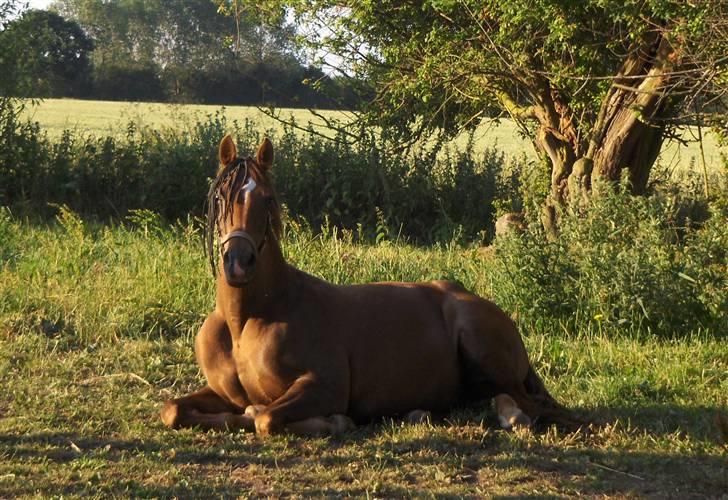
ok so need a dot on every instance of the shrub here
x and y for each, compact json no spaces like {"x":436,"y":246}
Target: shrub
{"x":418,"y":194}
{"x":630,"y":263}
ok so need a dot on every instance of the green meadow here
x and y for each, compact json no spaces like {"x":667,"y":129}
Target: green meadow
{"x":98,"y":317}
{"x":96,"y":331}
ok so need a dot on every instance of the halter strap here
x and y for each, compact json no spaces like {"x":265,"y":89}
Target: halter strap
{"x":239,"y":233}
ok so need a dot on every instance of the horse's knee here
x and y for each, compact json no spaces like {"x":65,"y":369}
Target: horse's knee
{"x":171,"y":414}
{"x":254,"y":410}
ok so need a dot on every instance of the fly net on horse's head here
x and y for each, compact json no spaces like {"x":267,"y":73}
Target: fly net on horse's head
{"x":221,"y":201}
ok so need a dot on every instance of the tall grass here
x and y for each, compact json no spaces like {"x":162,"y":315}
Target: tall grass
{"x":82,"y":283}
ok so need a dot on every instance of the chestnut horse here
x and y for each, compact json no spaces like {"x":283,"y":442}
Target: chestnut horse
{"x":284,"y":351}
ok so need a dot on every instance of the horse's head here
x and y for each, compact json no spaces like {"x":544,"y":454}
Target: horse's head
{"x":242,"y":212}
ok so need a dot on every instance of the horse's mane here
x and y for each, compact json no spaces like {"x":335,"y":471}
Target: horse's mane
{"x":233,"y":175}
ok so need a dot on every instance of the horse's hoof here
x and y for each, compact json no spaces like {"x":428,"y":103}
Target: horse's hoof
{"x":418,"y":417}
{"x":515,"y":420}
{"x":170,"y":414}
{"x":264,"y":424}
{"x":341,"y":423}
{"x":254,"y":410}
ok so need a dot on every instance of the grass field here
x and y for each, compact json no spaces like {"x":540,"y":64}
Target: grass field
{"x":112,"y":118}
{"x":96,"y":329}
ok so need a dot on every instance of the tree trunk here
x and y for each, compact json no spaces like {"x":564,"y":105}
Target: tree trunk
{"x":635,"y":147}
{"x":557,"y":140}
{"x":625,"y":135}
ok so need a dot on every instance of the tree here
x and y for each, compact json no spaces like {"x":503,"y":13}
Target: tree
{"x":596,"y":84}
{"x":50,"y":52}
{"x":13,"y":77}
{"x":185,"y":43}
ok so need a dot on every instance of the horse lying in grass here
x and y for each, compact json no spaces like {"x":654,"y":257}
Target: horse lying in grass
{"x":284,"y":351}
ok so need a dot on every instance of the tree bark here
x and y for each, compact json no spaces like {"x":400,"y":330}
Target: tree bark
{"x":625,"y":135}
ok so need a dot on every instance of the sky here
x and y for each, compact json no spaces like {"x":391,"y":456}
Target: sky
{"x":39,"y":4}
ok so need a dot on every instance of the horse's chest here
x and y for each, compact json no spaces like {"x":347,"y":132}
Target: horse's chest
{"x":262,"y":365}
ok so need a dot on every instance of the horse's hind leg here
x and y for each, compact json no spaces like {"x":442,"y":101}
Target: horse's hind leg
{"x":494,"y":359}
{"x":207,"y":410}
{"x":495,"y":364}
{"x":509,"y":414}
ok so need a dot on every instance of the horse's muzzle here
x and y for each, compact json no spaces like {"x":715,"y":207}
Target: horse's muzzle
{"x":239,"y":260}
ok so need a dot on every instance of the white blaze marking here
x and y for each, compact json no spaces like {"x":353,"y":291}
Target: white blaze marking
{"x":249,"y":186}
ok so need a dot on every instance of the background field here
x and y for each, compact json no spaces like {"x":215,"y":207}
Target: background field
{"x":112,"y":118}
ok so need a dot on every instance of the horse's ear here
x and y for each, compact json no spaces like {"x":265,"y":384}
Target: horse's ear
{"x":264,"y":156}
{"x":228,"y":152}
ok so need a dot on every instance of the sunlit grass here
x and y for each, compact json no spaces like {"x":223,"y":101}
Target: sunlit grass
{"x":96,"y":329}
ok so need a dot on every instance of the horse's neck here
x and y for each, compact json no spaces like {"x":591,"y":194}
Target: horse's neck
{"x":272,"y":277}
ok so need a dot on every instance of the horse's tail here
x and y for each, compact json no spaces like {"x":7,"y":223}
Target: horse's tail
{"x":548,"y":410}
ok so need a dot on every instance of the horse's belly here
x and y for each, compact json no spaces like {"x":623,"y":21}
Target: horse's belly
{"x":404,"y":366}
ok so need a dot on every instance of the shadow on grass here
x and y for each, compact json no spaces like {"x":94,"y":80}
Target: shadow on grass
{"x":65,"y":447}
{"x":473,"y":459}
{"x":666,"y":420}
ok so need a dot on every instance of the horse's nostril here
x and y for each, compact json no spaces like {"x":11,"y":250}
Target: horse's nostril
{"x":249,"y":260}
{"x":226,"y":257}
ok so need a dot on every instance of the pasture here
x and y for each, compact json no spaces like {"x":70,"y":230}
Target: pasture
{"x":96,"y":330}
{"x":614,"y":271}
{"x":112,"y":118}
{"x":98,"y":315}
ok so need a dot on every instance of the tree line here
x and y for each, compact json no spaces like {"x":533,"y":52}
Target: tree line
{"x":155,"y":50}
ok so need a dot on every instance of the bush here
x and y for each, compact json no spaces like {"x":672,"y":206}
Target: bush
{"x":165,"y":171}
{"x":419,"y":195}
{"x":363,"y":187}
{"x":630,"y":263}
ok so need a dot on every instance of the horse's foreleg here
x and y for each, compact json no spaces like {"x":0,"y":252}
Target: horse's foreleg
{"x":305,"y":409}
{"x":207,"y":410}
{"x":321,"y":426}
